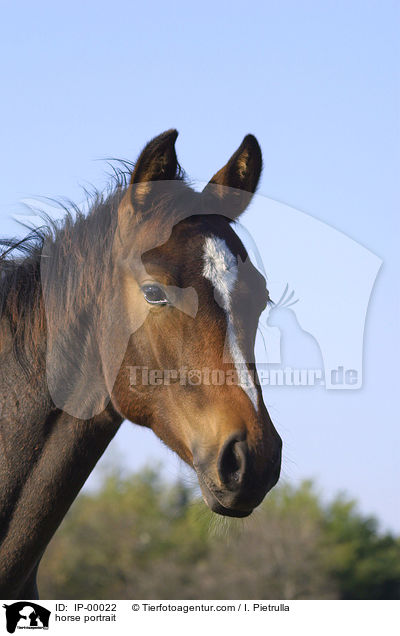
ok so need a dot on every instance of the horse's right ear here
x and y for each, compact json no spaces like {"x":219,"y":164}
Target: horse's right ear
{"x":157,"y":162}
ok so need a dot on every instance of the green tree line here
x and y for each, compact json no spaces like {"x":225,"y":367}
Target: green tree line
{"x":138,"y":537}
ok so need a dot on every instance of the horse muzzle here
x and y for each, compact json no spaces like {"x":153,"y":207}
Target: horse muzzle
{"x":242,"y":479}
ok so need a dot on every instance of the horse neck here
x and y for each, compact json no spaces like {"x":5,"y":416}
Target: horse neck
{"x":45,"y":457}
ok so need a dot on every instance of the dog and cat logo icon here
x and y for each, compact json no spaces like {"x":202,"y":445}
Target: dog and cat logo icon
{"x":26,"y":615}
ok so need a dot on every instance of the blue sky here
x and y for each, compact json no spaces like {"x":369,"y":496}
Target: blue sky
{"x":317,"y":83}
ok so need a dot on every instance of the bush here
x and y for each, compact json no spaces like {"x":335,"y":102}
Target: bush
{"x":140,"y":538}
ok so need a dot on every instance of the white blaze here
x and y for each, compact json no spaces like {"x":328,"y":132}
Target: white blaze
{"x":221,"y":269}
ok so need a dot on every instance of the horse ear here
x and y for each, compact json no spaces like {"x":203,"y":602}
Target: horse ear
{"x":156,"y":166}
{"x":235,"y":184}
{"x":157,"y":162}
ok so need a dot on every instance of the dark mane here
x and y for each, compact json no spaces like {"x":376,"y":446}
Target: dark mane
{"x":20,"y":295}
{"x":21,"y":301}
{"x":80,"y":239}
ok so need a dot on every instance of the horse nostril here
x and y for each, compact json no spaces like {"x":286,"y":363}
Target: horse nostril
{"x":232,"y":461}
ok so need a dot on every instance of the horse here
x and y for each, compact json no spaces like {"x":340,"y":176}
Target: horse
{"x":151,"y":277}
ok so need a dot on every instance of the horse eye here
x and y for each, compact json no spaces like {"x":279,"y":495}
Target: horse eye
{"x":154,"y":294}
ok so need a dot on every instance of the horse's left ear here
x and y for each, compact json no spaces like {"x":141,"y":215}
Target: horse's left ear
{"x":235,"y":184}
